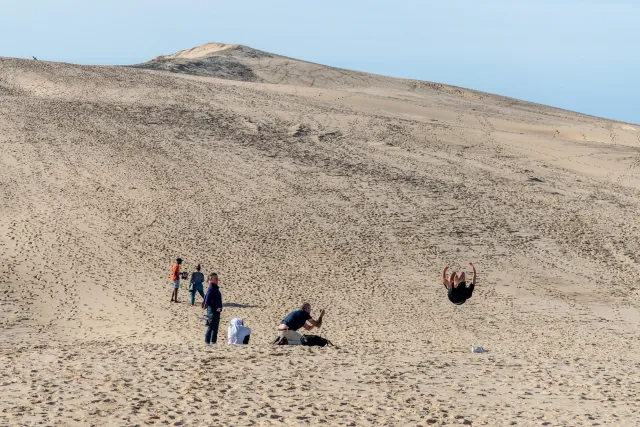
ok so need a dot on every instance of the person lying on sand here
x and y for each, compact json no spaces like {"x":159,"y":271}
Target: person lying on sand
{"x":295,"y":320}
{"x":456,"y":285}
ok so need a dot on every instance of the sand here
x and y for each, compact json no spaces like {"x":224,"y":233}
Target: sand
{"x":309,"y":183}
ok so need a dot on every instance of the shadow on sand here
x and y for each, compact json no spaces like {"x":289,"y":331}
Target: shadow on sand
{"x":234,"y":305}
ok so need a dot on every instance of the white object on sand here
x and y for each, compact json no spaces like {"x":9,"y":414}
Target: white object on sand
{"x":237,"y":331}
{"x":478,"y":349}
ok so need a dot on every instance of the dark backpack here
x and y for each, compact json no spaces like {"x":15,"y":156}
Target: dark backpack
{"x":315,"y":340}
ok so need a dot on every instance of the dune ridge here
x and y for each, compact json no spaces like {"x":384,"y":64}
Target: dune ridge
{"x":298,"y":182}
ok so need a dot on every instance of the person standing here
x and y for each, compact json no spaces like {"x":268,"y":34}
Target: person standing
{"x":213,"y":303}
{"x":175,"y":279}
{"x":196,"y":284}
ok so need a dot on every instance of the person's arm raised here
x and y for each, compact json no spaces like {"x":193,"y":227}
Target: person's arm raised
{"x":315,"y":323}
{"x":473,"y":279}
{"x":445,"y":281}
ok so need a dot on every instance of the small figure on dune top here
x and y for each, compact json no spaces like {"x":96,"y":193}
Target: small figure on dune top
{"x":457,"y":289}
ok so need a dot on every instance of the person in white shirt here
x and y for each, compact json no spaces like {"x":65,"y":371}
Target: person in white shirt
{"x":238,"y":333}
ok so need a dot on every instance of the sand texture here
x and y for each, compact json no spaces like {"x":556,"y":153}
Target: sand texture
{"x":299,"y":182}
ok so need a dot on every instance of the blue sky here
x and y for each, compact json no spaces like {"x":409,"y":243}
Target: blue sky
{"x":579,"y":55}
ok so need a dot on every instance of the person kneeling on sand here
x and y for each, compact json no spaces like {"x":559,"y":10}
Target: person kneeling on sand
{"x":288,"y":329}
{"x":238,"y":333}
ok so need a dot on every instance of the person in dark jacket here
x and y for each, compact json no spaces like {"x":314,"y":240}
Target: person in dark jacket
{"x":196,"y":283}
{"x":213,"y":303}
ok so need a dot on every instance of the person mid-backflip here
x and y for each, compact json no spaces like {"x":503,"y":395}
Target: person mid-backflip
{"x":456,"y":285}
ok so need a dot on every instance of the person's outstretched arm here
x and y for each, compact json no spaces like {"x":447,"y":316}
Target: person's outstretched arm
{"x":473,"y":279}
{"x":445,"y":281}
{"x":315,"y":323}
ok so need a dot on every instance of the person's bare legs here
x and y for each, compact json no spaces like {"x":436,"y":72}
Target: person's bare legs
{"x":462,"y":279}
{"x":453,"y":279}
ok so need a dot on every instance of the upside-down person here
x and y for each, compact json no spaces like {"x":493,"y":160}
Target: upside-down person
{"x":456,"y":285}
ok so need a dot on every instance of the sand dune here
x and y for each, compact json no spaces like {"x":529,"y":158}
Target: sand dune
{"x":300,"y":182}
{"x":203,"y":51}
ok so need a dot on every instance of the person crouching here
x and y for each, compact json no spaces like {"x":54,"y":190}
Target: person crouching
{"x":238,"y":333}
{"x":295,"y":320}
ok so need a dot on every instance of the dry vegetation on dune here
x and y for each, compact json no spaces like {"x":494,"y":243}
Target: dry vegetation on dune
{"x":299,"y":182}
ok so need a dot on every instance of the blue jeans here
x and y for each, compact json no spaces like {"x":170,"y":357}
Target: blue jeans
{"x":197,"y":287}
{"x":211,"y":336}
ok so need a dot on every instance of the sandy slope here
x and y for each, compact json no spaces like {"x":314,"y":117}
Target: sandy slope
{"x":349,"y":195}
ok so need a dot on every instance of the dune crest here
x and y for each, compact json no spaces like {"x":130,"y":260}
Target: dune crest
{"x":203,"y":51}
{"x":301,"y":182}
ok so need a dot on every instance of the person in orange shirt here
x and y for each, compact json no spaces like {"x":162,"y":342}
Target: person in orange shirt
{"x":175,"y":278}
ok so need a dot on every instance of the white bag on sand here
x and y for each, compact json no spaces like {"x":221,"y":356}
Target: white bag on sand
{"x":478,"y":349}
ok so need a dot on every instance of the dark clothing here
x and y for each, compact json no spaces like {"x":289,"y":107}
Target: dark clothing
{"x":246,"y":339}
{"x":213,"y":302}
{"x":196,"y":289}
{"x":197,"y":278}
{"x":460,"y":294}
{"x":296,"y":319}
{"x":213,"y":298}
{"x":211,"y":336}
